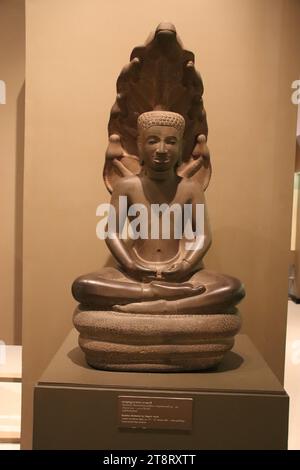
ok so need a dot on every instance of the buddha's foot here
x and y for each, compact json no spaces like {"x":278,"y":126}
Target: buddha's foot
{"x":167,"y":290}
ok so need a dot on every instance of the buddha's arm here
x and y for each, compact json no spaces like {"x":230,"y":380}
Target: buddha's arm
{"x":202,"y":242}
{"x":114,"y":242}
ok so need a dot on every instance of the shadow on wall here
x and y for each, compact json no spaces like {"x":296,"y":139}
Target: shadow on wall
{"x":18,"y":287}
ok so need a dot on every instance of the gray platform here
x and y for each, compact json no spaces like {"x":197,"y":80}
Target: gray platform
{"x":240,"y":405}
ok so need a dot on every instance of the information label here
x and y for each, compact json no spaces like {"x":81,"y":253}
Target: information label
{"x":155,"y":412}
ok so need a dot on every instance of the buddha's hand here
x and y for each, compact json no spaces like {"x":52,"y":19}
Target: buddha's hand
{"x":177,"y":271}
{"x":139,"y":271}
{"x":175,"y":290}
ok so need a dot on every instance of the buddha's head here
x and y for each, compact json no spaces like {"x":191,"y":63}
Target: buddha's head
{"x":160,"y":136}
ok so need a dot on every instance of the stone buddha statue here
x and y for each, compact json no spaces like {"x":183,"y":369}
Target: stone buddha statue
{"x":158,"y":309}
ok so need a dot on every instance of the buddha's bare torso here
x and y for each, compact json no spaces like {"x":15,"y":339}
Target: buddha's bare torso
{"x":177,"y":192}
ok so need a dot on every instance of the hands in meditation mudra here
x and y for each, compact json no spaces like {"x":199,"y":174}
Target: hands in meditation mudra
{"x":159,"y":309}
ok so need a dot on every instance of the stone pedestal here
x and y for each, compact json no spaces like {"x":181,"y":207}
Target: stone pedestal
{"x":239,"y":405}
{"x":154,"y":342}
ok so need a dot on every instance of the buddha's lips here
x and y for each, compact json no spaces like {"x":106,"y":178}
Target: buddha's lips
{"x":161,"y":160}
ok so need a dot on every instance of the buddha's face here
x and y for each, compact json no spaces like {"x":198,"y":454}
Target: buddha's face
{"x":160,"y":147}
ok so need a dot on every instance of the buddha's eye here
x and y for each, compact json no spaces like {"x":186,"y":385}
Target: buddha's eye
{"x":171,"y":141}
{"x":152,"y":141}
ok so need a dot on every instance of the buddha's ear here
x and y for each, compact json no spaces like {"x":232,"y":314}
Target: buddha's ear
{"x":139,"y":143}
{"x":198,"y":166}
{"x":182,"y":145}
{"x":139,"y":147}
{"x":179,"y":161}
{"x":118,"y":163}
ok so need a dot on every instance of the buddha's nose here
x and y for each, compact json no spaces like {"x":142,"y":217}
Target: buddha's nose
{"x":161,"y":150}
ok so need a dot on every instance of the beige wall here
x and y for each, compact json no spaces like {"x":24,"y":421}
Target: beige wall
{"x":296,"y":220}
{"x":295,"y":210}
{"x":12,"y":72}
{"x":247,"y":52}
{"x":297,"y":165}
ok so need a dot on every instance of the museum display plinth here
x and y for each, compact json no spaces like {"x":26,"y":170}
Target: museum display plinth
{"x":239,"y":405}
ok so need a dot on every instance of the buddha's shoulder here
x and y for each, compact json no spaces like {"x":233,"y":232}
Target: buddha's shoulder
{"x":188,"y":184}
{"x":128,"y":183}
